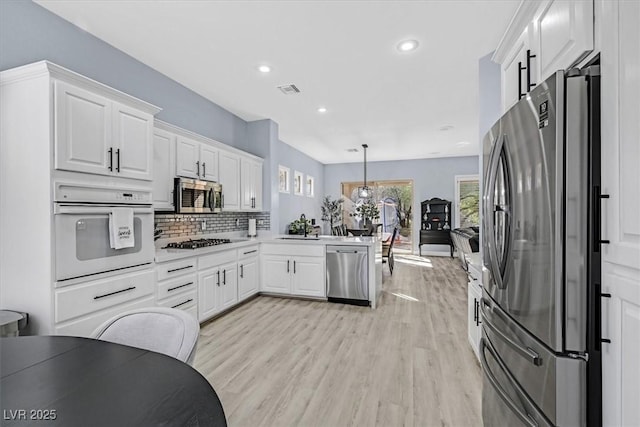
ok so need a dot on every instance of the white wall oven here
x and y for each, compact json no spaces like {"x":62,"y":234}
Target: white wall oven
{"x":81,"y":226}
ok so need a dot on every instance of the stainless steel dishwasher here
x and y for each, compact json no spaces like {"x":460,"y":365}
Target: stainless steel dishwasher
{"x":348,"y":274}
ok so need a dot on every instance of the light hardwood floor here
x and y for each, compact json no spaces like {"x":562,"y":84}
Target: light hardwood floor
{"x":287,"y":362}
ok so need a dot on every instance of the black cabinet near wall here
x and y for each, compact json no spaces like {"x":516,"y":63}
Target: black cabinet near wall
{"x":435,"y":220}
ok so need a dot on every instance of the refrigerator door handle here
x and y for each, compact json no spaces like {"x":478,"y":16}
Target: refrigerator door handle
{"x":489,"y":212}
{"x":525,"y":352}
{"x":524,"y":417}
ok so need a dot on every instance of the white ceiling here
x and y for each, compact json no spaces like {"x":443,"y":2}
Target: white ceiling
{"x":341,"y":54}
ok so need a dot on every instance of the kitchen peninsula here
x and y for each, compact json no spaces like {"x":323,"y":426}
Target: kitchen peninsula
{"x":208,"y":280}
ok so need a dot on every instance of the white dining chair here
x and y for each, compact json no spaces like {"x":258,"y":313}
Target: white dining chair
{"x":169,"y":331}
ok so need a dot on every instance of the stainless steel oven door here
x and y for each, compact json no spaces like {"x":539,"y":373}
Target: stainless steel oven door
{"x":82,"y":241}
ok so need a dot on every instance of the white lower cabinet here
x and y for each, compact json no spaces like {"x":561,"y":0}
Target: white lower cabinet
{"x":229,"y":285}
{"x":293,"y":269}
{"x":177,"y":285}
{"x":248,"y":269}
{"x":217,"y":283}
{"x":474,"y":319}
{"x":80,"y":309}
{"x":209,"y":300}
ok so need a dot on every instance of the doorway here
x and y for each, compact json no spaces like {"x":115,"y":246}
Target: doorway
{"x":394,"y":199}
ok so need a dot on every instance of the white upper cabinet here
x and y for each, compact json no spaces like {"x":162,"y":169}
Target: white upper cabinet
{"x":196,"y":160}
{"x":163,"y":167}
{"x":251,"y":179}
{"x":133,"y":133}
{"x":543,"y":37}
{"x":563,"y":34}
{"x":208,"y":163}
{"x":97,"y":135}
{"x":82,"y":130}
{"x":229,"y":173}
{"x":187,"y":157}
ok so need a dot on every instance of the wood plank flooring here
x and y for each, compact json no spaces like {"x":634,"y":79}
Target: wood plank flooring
{"x":287,"y":362}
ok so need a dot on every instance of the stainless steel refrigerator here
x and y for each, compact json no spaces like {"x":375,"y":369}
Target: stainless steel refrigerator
{"x":540,"y":347}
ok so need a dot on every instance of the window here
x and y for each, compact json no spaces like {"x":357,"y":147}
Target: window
{"x":467,"y":202}
{"x":310,"y":186}
{"x":298,"y":188}
{"x":283,"y":179}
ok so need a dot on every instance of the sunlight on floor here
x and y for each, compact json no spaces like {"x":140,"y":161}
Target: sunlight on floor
{"x":414,"y":260}
{"x":407,"y":297}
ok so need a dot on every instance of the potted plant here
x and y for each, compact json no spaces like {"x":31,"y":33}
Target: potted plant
{"x":297,"y":226}
{"x":331,"y":210}
{"x":368,"y":211}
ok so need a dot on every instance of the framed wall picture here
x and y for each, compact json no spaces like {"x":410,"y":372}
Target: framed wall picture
{"x":298,"y":187}
{"x":310,"y":186}
{"x":283,"y":179}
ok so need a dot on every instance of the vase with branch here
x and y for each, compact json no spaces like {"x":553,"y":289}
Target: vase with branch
{"x":331,"y":211}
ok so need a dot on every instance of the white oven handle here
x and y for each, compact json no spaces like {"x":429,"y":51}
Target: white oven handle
{"x":96,"y":209}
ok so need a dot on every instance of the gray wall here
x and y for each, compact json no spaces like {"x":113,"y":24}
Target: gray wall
{"x":431,"y":178}
{"x":30,"y":33}
{"x":291,"y":205}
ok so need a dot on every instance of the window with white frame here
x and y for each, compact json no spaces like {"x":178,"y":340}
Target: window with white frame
{"x":467,"y":201}
{"x":298,"y":187}
{"x":310,"y":184}
{"x":283,"y":179}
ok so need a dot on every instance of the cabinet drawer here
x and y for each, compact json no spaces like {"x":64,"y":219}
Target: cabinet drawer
{"x":292,"y":249}
{"x":182,"y":301}
{"x":213,"y":260}
{"x":176,"y":268}
{"x":169,"y":288}
{"x":85,"y":325}
{"x":93,"y":296}
{"x":248,"y":252}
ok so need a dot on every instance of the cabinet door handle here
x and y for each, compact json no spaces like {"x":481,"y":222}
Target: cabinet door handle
{"x":118,"y":159}
{"x":241,"y":271}
{"x":178,"y":269}
{"x":178,"y":287}
{"x":520,"y":69}
{"x":250,"y":252}
{"x":204,"y":170}
{"x":287,"y":266}
{"x":218,"y":272}
{"x":182,"y":303}
{"x":110,"y":151}
{"x":198,"y":168}
{"x":475,"y":310}
{"x":294,"y":267}
{"x":114,"y":293}
{"x":529,"y":84}
{"x":224,"y":277}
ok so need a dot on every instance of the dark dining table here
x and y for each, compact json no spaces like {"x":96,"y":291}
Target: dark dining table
{"x":72,"y":381}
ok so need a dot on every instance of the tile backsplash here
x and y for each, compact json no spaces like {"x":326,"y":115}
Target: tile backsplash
{"x":186,"y":225}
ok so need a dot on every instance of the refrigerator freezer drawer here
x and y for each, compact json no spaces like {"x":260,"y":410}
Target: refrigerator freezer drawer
{"x":555,"y":384}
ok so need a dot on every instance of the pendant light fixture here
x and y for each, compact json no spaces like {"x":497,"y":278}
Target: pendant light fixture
{"x":364,"y":191}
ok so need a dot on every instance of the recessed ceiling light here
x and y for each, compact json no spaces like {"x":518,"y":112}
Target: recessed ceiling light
{"x":463,"y":143}
{"x":446,"y":128}
{"x":322,"y":109}
{"x":264,"y":69}
{"x":407,"y":45}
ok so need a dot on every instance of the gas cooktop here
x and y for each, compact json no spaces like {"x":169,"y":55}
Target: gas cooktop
{"x":195,"y":244}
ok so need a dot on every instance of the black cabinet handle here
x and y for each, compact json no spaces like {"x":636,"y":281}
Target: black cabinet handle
{"x":198,"y":168}
{"x":287,"y":266}
{"x":118,"y":159}
{"x":520,"y":69}
{"x":182,"y":303}
{"x":110,"y":151}
{"x":475,"y":310}
{"x":241,"y":271}
{"x":224,"y":277}
{"x":218,"y":272}
{"x":529,"y":84}
{"x":250,"y":252}
{"x":204,"y":170}
{"x":597,"y":218}
{"x":116,"y":292}
{"x":178,"y":269}
{"x":178,"y":287}
{"x":294,"y":267}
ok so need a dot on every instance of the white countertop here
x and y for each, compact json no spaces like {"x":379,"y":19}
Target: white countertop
{"x":164,"y":255}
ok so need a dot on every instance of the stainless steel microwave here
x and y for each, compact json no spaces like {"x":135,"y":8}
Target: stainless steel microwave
{"x":194,"y":196}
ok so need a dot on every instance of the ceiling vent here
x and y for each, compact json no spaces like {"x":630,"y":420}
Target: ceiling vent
{"x":352,"y":150}
{"x":289,"y":89}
